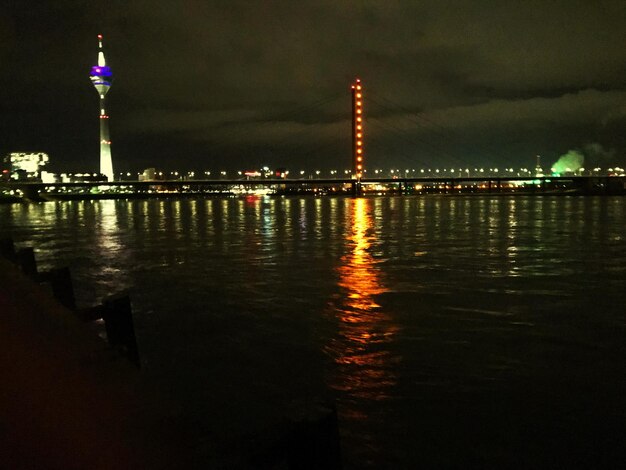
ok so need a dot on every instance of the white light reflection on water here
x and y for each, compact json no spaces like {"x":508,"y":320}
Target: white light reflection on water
{"x":111,"y":233}
{"x":107,"y":228}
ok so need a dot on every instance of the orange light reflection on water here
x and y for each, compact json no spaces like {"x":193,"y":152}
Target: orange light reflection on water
{"x":361,"y":348}
{"x":357,"y":272}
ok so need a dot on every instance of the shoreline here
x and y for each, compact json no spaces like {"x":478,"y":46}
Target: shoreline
{"x":56,"y":197}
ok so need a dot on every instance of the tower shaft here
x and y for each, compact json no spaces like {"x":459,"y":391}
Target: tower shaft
{"x":106,"y":162}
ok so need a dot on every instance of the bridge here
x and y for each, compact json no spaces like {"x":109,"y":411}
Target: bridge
{"x":356,"y":183}
{"x":341,"y":186}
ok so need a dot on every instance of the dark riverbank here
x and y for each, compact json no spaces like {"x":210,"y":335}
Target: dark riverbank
{"x":66,"y":400}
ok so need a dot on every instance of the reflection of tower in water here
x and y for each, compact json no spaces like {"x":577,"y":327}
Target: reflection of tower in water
{"x":361,"y":348}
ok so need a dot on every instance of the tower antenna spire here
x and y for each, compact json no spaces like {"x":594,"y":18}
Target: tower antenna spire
{"x":101,"y":60}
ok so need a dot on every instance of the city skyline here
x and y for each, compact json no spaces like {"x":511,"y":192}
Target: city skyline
{"x":465,"y":84}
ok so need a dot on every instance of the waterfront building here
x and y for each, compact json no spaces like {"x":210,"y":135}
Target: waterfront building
{"x":26,"y":165}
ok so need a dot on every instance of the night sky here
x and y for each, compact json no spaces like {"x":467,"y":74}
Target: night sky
{"x":240,"y":84}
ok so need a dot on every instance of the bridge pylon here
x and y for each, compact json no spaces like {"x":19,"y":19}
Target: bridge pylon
{"x":358,"y":155}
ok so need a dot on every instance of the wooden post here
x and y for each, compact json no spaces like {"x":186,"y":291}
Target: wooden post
{"x":7,"y":249}
{"x":61,"y":281}
{"x":313,"y":442}
{"x":26,"y":261}
{"x":118,"y":321}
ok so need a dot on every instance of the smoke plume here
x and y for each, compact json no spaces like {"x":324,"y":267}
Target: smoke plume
{"x":569,"y":162}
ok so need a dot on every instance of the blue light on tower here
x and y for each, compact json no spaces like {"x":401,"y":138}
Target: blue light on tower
{"x":101,"y":77}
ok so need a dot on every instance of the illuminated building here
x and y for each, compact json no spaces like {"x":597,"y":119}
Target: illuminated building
{"x":358,"y":155}
{"x":101,"y":78}
{"x":281,"y":173}
{"x":27,"y":165}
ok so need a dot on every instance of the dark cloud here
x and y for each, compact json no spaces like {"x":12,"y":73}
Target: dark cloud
{"x":237,"y":83}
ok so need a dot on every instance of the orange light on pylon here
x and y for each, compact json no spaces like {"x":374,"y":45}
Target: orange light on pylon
{"x":357,"y":129}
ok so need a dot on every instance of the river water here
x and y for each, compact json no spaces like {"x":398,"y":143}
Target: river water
{"x":452,"y":332}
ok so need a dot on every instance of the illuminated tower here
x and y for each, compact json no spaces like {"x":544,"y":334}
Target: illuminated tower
{"x":101,"y":78}
{"x":538,"y":169}
{"x":357,"y":130}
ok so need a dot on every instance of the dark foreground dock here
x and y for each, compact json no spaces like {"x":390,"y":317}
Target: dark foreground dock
{"x":70,"y":400}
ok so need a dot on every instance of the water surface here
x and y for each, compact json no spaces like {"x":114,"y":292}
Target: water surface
{"x":450,"y":331}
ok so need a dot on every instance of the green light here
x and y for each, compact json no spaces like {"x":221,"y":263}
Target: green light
{"x":569,"y":162}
